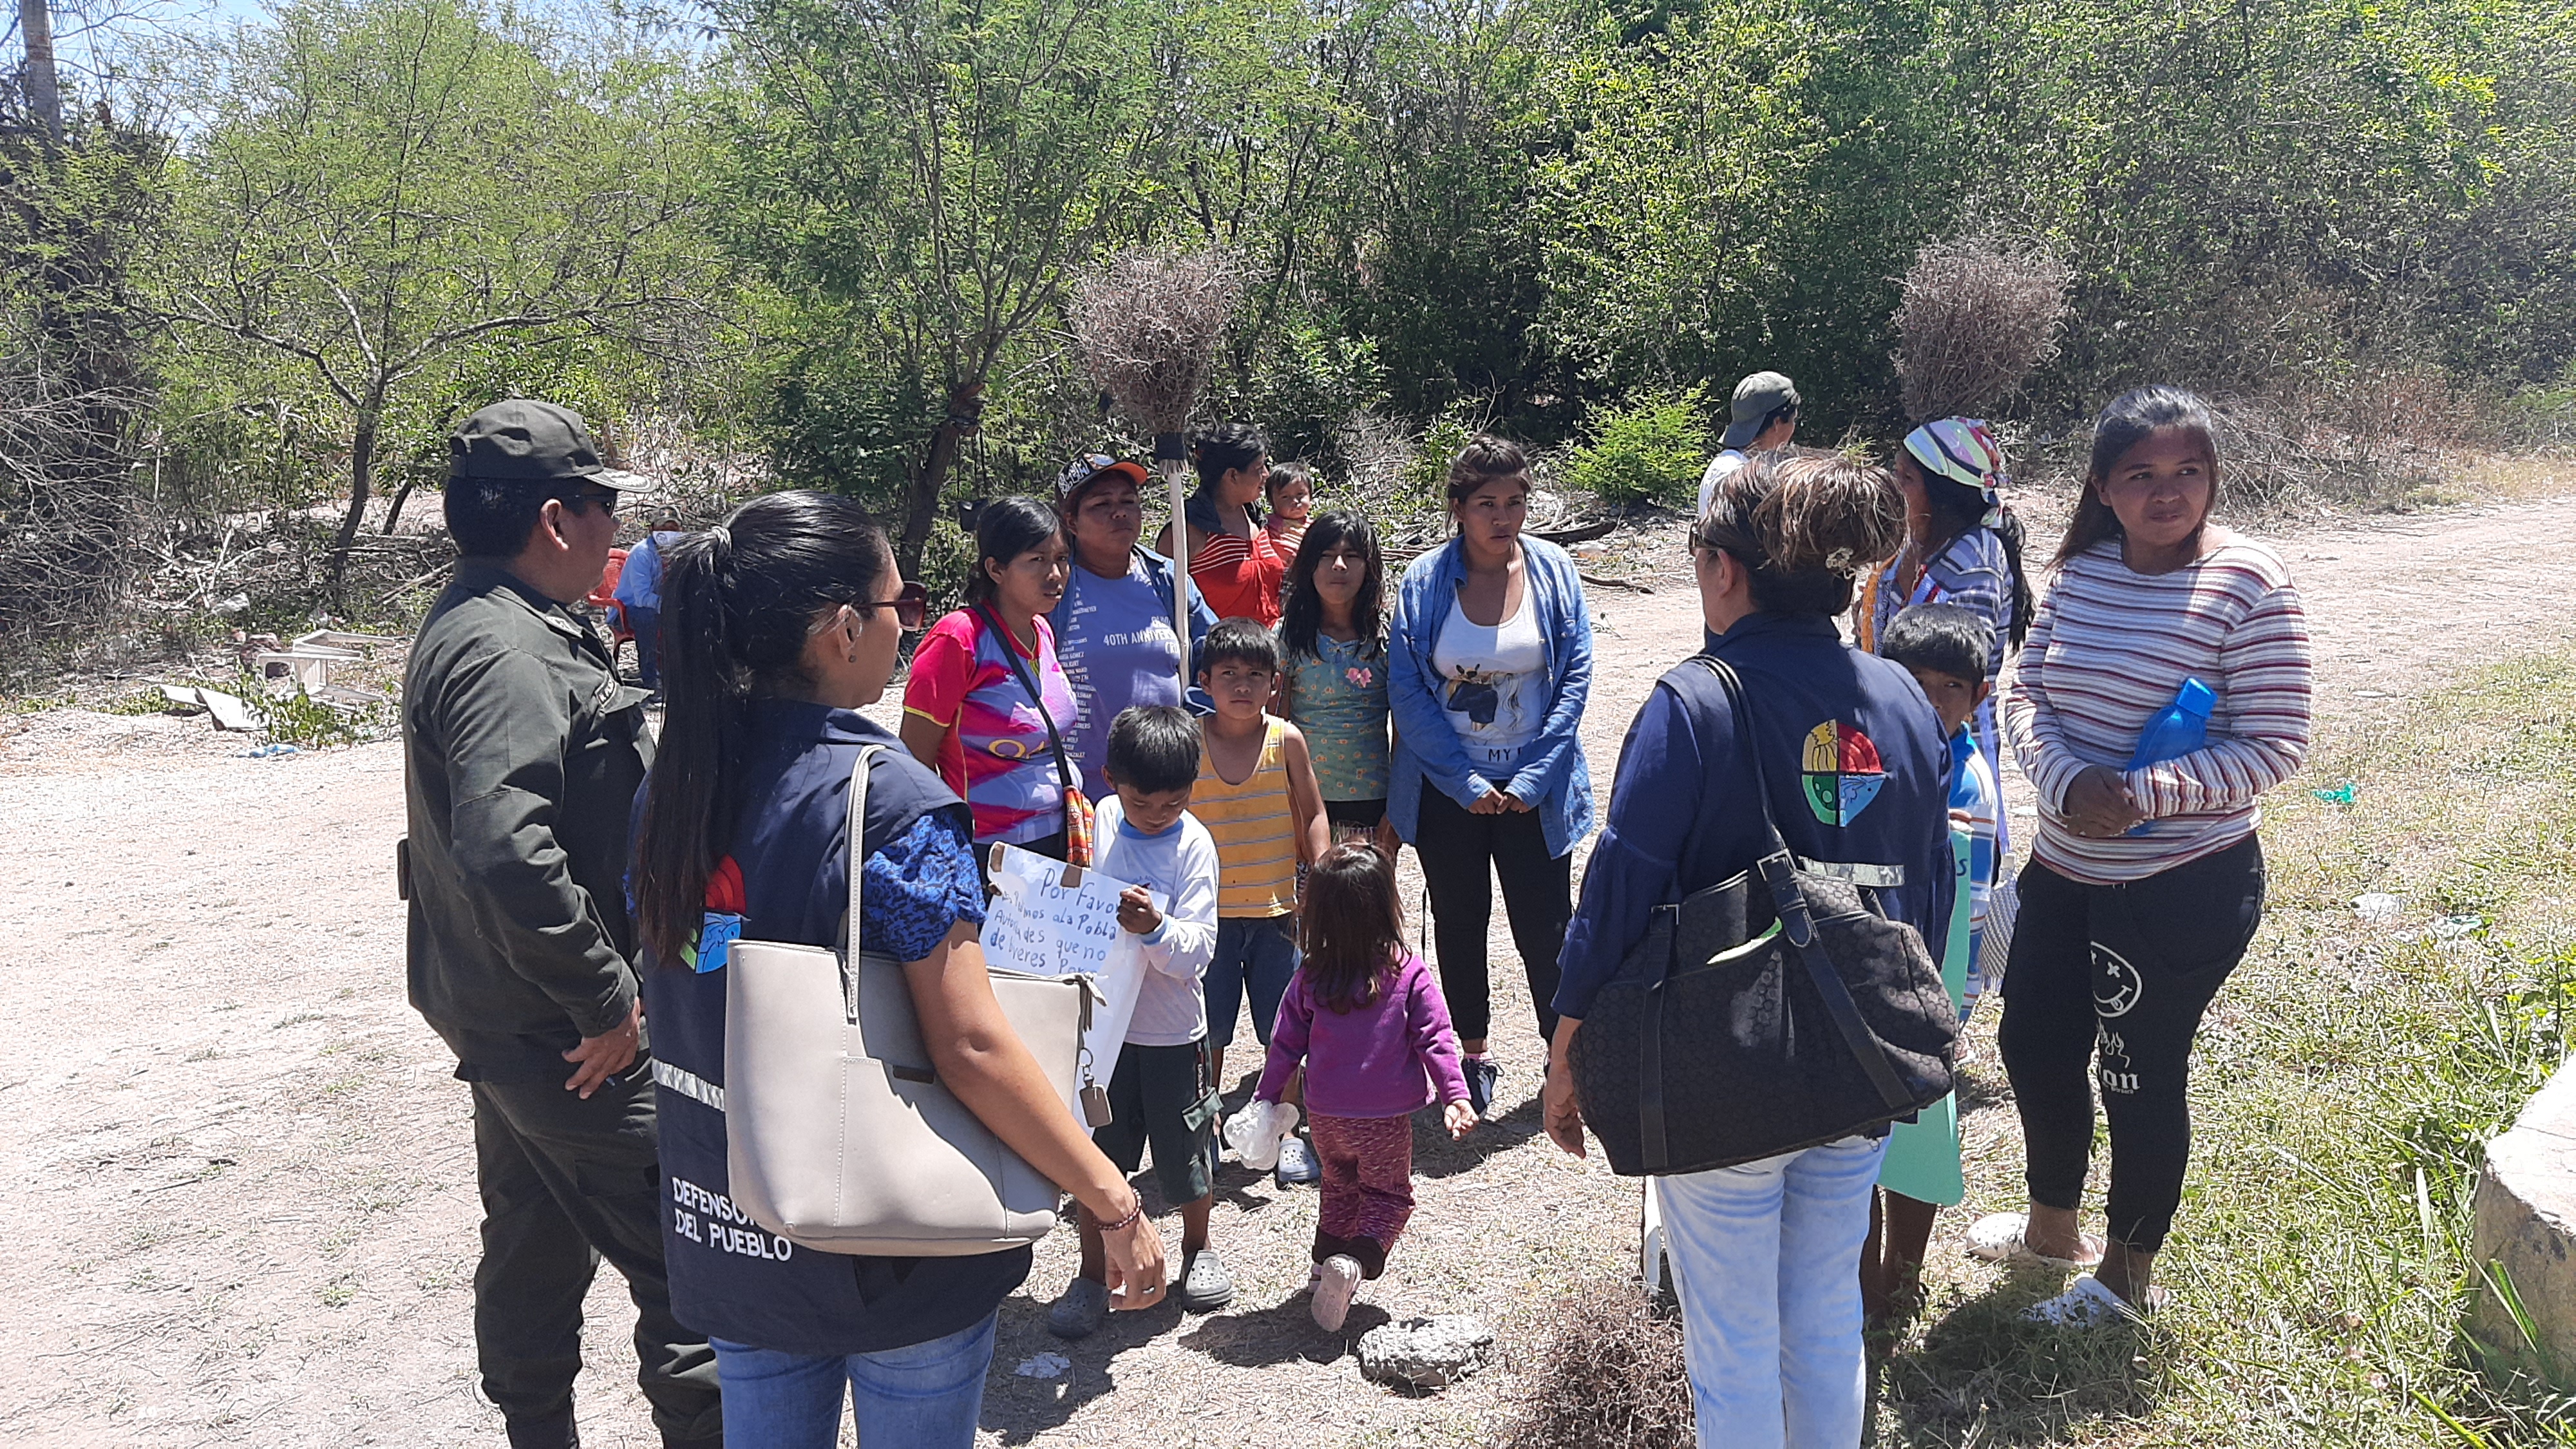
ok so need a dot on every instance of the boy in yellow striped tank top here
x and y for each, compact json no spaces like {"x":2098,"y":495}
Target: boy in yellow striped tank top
{"x":1256,"y":794}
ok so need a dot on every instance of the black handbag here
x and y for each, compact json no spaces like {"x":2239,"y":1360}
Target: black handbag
{"x":1776,"y":1010}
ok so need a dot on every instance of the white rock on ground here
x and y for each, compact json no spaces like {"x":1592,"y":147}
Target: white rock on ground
{"x":1043,"y":1366}
{"x":1426,"y":1353}
{"x":2525,"y":1224}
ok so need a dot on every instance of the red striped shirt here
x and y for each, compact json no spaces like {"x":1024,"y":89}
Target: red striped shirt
{"x":1238,"y":576}
{"x":2109,"y":650}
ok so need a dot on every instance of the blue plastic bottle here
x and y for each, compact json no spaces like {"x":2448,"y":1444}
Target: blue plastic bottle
{"x":2176,"y":730}
{"x":2179,"y":728}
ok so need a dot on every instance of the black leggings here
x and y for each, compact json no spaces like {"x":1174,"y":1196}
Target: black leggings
{"x":2128,"y":969}
{"x":1457,"y":847}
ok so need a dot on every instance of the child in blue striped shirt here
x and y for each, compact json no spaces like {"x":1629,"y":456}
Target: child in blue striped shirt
{"x":1945,"y":648}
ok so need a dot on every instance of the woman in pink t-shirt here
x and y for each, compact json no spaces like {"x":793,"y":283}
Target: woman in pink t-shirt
{"x":983,"y":674}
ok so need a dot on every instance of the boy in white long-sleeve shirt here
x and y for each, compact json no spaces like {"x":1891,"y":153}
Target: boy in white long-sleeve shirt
{"x":1161,"y":1091}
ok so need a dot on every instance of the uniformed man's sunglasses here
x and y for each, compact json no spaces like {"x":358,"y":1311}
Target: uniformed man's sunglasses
{"x":606,"y":498}
{"x":910,"y":606}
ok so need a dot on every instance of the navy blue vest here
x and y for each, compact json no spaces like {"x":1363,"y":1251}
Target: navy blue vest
{"x":1858,"y":769}
{"x":729,"y":1278}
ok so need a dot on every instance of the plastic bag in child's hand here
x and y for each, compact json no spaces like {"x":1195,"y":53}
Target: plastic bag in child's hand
{"x":1256,"y":1132}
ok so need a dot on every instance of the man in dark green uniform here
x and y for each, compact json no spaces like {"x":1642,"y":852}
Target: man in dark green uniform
{"x":522,"y":755}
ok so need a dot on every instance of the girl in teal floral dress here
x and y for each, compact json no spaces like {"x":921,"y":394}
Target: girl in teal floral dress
{"x":1332,"y":681}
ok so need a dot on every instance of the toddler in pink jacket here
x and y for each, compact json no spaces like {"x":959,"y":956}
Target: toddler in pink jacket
{"x":1366,"y":1017}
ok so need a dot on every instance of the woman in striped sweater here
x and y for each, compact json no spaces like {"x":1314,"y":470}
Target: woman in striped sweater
{"x":2146,"y":882}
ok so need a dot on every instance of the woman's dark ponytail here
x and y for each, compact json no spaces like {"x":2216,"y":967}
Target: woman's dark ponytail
{"x":2008,"y":528}
{"x":1223,"y":448}
{"x":738,"y":603}
{"x":1961,"y":508}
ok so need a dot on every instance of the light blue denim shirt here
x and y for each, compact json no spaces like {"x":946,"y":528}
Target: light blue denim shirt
{"x":1551,"y":775}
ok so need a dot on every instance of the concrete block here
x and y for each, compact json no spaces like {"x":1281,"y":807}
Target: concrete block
{"x":2525,"y":1223}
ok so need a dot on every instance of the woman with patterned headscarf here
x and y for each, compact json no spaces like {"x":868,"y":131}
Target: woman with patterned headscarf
{"x":1962,"y":547}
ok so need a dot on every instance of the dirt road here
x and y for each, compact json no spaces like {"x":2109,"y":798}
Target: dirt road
{"x":244,"y":1191}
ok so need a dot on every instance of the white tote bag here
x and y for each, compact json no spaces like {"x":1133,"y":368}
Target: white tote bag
{"x":840,"y":1135}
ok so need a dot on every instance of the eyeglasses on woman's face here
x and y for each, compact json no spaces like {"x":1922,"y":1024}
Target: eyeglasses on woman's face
{"x":910,"y":607}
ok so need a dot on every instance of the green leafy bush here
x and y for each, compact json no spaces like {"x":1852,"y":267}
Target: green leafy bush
{"x":301,"y":720}
{"x":1651,"y":451}
{"x":1426,"y":478}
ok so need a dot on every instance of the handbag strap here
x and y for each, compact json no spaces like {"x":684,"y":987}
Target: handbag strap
{"x":1653,"y":1146}
{"x":1650,"y":1084}
{"x":849,"y":936}
{"x":1011,"y":655}
{"x":1779,"y":871}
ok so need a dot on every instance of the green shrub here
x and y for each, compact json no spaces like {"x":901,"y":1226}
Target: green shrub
{"x":1651,"y":451}
{"x":1424,"y":483}
{"x":307,"y":723}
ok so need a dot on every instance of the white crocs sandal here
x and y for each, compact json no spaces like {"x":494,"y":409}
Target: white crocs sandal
{"x":1997,"y":1238}
{"x":2087,"y":1304}
{"x":1337,"y":1281}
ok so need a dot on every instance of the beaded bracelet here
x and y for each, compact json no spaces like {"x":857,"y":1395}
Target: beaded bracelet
{"x":1128,"y":1221}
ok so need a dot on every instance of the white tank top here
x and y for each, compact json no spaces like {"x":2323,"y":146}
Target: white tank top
{"x":1493,"y":683}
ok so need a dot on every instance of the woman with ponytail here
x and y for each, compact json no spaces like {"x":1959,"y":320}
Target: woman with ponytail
{"x":1962,"y":547}
{"x":1234,"y":561}
{"x":779,"y":625}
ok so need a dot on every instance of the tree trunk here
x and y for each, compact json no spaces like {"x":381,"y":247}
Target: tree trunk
{"x":362,"y":478}
{"x":927,"y":478}
{"x":44,"y":90}
{"x":393,"y":510}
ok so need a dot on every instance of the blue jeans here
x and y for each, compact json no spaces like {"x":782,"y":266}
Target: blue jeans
{"x":1768,"y":1254}
{"x":927,"y":1396}
{"x":1256,"y":952}
{"x":646,"y":625}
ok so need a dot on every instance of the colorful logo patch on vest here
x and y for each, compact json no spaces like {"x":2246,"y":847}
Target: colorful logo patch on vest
{"x":1842,"y":772}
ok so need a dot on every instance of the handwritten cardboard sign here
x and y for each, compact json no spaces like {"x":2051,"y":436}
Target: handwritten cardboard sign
{"x":1054,"y":919}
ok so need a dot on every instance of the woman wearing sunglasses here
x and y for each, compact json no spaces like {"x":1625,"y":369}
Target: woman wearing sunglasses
{"x":782,"y":623}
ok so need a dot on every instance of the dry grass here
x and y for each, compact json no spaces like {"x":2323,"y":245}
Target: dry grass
{"x":1610,"y":1377}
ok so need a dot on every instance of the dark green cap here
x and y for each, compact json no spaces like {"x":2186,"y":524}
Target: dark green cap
{"x":1756,"y":398}
{"x":521,"y":440}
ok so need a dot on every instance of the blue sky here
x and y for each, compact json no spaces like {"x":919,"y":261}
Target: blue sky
{"x":135,"y":16}
{"x":80,"y":39}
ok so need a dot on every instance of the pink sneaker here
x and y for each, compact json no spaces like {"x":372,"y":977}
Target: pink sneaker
{"x":1337,"y":1282}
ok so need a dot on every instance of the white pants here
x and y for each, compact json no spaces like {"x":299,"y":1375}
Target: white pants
{"x":1768,"y":1254}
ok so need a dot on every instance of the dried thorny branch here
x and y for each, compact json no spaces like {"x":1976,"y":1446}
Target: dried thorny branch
{"x":1147,"y":321}
{"x":1609,"y":1377}
{"x":66,"y":493}
{"x":1376,"y":451}
{"x":1980,"y":315}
